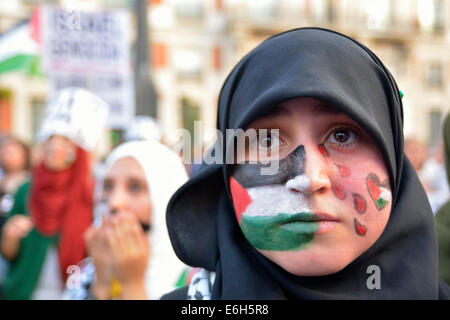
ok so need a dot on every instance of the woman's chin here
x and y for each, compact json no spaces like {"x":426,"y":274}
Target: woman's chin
{"x":308,"y":264}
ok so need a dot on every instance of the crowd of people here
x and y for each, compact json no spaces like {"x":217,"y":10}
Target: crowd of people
{"x":109,"y":222}
{"x":134,"y":225}
{"x":429,"y":163}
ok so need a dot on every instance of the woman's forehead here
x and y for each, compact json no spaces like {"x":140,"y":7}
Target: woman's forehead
{"x":126,"y":166}
{"x":287,"y":109}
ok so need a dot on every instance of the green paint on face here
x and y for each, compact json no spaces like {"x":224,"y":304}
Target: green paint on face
{"x":381,"y":203}
{"x":281,"y":232}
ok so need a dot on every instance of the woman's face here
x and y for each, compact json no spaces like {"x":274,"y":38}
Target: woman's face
{"x":59,"y":153}
{"x":13,"y":156}
{"x":125,"y":189}
{"x":330,"y":199}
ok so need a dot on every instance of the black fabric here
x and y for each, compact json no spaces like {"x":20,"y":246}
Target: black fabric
{"x":333,"y":68}
{"x":177,"y":294}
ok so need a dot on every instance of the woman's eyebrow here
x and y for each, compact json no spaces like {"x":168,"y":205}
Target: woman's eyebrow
{"x":138,"y":179}
{"x":280,"y":113}
{"x":276,"y":114}
{"x":322,"y":107}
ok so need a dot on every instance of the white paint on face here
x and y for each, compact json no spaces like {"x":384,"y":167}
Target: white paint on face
{"x":275,"y":199}
{"x":385,"y":194}
{"x":299,"y":183}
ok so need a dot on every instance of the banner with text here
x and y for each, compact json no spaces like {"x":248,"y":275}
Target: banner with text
{"x":91,"y":50}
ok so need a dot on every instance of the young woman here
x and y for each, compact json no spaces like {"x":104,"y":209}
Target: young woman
{"x":130,"y":252}
{"x":343,"y":217}
{"x":43,"y":234}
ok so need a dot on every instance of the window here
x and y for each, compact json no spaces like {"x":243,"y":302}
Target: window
{"x":435,"y":75}
{"x":37,"y":112}
{"x":431,"y":15}
{"x":191,"y":113}
{"x":188,"y":63}
{"x":190,"y":9}
{"x":378,"y":14}
{"x":321,"y":11}
{"x":435,"y":127}
{"x":261,"y":10}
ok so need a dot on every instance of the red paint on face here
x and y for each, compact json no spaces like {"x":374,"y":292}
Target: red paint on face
{"x":374,"y":190}
{"x":360,"y":229}
{"x":323,"y":150}
{"x":339,"y":192}
{"x":344,"y":171}
{"x":360,"y":203}
{"x":241,"y":198}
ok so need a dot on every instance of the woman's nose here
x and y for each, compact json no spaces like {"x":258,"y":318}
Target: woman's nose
{"x":117,"y":200}
{"x":315,"y":177}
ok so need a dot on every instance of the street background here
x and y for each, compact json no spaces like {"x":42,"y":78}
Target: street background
{"x":180,"y":52}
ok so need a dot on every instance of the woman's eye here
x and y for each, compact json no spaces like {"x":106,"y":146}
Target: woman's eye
{"x":342,"y":136}
{"x":107,"y":186}
{"x":269,"y":141}
{"x":135,"y":187}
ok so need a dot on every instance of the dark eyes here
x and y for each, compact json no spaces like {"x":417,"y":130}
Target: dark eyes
{"x":107,"y":186}
{"x":339,"y":135}
{"x":135,"y":187}
{"x":269,"y":140}
{"x":132,"y":187}
{"x":342,"y":136}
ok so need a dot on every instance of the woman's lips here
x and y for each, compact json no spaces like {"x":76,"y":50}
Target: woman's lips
{"x":302,"y":222}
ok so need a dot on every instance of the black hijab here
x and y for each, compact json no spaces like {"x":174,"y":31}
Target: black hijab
{"x":333,"y":68}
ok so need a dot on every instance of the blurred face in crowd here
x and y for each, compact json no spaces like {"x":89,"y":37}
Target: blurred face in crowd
{"x":59,"y":153}
{"x":125,"y":189}
{"x":13,"y":156}
{"x":416,"y":152}
{"x":330,"y":199}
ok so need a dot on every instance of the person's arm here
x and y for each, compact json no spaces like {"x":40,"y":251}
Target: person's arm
{"x":17,"y":225}
{"x":15,"y":229}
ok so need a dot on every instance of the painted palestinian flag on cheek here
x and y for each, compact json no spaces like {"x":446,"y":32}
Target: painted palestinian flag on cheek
{"x":379,"y":192}
{"x":271,"y":217}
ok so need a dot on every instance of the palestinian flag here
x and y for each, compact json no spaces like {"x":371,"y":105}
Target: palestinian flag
{"x":19,"y":48}
{"x":272,"y":218}
{"x":379,"y":192}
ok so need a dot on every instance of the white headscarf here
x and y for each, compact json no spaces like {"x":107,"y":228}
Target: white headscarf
{"x":164,"y":173}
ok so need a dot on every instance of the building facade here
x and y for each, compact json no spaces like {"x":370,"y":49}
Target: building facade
{"x":195,"y":43}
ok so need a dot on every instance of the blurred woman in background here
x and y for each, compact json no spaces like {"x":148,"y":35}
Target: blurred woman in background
{"x":130,"y":252}
{"x":43,"y":234}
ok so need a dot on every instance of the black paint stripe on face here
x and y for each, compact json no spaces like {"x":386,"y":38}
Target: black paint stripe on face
{"x":249,"y":174}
